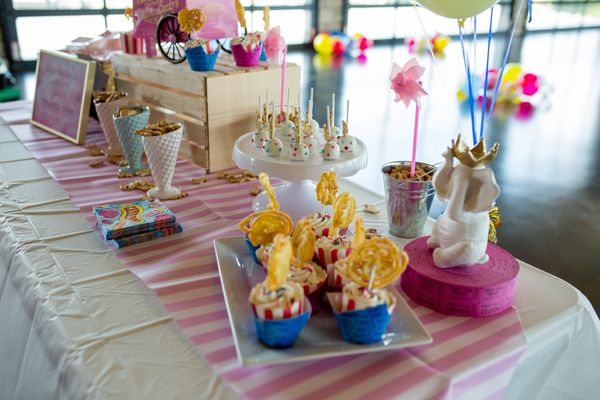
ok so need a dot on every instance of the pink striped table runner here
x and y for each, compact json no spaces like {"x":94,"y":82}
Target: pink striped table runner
{"x":469,"y":358}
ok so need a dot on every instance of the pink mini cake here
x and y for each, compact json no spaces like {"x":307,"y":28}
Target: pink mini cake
{"x":313,"y":280}
{"x":329,"y":250}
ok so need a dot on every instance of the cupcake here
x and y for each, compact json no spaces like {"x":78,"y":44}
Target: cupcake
{"x":279,"y":306}
{"x":362,"y":315}
{"x":261,"y":227}
{"x":263,"y":253}
{"x":336,"y":245}
{"x":337,"y":273}
{"x":313,"y":280}
{"x":321,"y":223}
{"x":326,"y":190}
{"x":364,"y":307}
{"x":331,"y":249}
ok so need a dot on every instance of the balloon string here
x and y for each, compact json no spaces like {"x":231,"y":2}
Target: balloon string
{"x":282,"y":83}
{"x":436,"y":63}
{"x":475,"y":65}
{"x":499,"y":80}
{"x":468,"y":69}
{"x":487,"y":70}
{"x":413,"y":160}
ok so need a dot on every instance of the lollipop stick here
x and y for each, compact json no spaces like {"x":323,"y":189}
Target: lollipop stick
{"x":332,"y":111}
{"x":372,"y":277}
{"x":347,"y":110}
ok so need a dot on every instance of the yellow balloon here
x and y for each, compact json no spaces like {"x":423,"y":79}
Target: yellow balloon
{"x":457,"y":8}
{"x":511,"y":72}
{"x":323,"y":44}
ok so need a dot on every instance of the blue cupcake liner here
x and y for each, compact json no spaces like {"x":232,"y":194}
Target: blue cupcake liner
{"x":281,"y":333}
{"x":363,"y":326}
{"x":199,"y":60}
{"x":252,"y":249}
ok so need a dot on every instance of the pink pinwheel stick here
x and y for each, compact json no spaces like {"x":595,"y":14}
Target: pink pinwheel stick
{"x":413,"y":161}
{"x":282,"y":82}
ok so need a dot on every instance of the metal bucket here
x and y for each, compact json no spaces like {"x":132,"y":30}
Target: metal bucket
{"x":408,"y":202}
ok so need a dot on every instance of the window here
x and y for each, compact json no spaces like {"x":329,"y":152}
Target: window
{"x":565,"y":14}
{"x":295,"y":17}
{"x":373,"y":18}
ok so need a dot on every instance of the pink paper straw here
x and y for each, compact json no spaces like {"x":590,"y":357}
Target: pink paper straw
{"x":414,"y":148}
{"x":282,"y":82}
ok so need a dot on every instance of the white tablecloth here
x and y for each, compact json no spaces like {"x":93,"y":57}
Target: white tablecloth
{"x":76,"y":324}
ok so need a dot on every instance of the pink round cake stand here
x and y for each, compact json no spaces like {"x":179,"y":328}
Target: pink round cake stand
{"x":297,"y":195}
{"x":475,"y":291}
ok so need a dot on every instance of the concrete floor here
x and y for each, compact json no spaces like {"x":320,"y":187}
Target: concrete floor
{"x":548,"y":167}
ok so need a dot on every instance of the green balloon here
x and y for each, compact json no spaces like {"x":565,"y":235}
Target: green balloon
{"x":457,"y":8}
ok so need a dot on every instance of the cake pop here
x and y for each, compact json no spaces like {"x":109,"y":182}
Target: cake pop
{"x":299,"y":151}
{"x":262,"y":129}
{"x":331,"y":150}
{"x":347,"y":143}
{"x":273,"y":146}
{"x":287,"y":129}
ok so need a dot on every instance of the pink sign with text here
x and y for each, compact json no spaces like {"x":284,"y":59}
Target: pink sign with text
{"x":63,"y":88}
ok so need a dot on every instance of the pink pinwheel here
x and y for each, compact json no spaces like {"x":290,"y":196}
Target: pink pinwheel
{"x":275,"y":46}
{"x":405,"y":82}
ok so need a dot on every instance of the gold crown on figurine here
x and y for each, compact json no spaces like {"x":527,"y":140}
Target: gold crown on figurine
{"x":477,"y":156}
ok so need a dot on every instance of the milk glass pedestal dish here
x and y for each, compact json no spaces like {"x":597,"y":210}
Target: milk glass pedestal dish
{"x":296,"y":195}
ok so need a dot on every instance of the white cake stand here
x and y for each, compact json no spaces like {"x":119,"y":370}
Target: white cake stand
{"x":296,"y":196}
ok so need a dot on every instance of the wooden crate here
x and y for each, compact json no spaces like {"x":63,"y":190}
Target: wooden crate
{"x":215,"y":107}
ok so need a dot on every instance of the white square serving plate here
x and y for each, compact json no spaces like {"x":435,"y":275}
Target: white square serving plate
{"x":320,"y":338}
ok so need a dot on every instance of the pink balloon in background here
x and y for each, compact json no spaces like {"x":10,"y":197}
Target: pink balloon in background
{"x":275,"y":46}
{"x":364,"y":43}
{"x":530,"y":78}
{"x":525,"y":110}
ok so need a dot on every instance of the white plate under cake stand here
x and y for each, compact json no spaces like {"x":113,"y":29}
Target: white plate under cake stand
{"x":297,"y":195}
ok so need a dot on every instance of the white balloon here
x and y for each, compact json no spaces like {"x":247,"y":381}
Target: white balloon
{"x":457,"y":8}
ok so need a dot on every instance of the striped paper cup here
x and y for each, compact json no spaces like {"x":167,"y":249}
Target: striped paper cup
{"x":330,"y":256}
